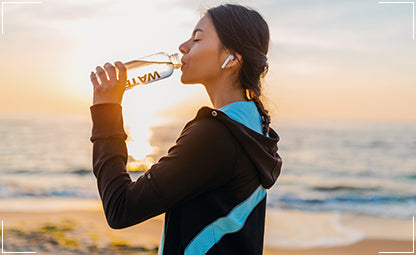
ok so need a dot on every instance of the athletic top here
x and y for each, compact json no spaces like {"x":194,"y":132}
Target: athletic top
{"x":244,"y":112}
{"x":211,"y":185}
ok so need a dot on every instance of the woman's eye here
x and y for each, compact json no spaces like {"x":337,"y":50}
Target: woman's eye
{"x":197,"y":40}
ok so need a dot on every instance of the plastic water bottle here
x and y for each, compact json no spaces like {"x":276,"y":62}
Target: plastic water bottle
{"x":151,"y":68}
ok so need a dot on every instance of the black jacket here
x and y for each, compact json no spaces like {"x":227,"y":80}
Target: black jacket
{"x":211,"y":184}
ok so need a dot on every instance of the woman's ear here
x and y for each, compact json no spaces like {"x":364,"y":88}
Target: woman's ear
{"x":233,"y":59}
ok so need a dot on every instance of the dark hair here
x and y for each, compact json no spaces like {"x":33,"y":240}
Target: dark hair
{"x":243,"y":30}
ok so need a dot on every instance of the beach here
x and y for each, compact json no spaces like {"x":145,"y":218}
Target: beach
{"x":338,"y":192}
{"x":51,"y":226}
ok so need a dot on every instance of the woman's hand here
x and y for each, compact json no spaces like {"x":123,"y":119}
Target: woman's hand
{"x":109,"y":84}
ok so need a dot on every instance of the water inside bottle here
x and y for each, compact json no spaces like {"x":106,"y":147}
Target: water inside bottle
{"x":142,"y":71}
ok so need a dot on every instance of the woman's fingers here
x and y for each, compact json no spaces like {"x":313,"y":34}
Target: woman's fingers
{"x":94,"y":80}
{"x":107,"y":88}
{"x":111,"y":71}
{"x":107,"y":76}
{"x":122,"y":71}
{"x":102,"y":76}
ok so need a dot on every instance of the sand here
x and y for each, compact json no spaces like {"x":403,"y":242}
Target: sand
{"x":55,"y":227}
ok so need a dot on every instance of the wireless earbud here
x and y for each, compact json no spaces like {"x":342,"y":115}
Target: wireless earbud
{"x":230,"y":57}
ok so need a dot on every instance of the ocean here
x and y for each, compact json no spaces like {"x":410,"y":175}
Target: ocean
{"x":364,"y":168}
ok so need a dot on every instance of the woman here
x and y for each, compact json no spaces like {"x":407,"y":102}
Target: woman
{"x":212,"y":184}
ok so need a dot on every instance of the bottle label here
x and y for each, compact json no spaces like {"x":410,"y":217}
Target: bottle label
{"x":147,"y":78}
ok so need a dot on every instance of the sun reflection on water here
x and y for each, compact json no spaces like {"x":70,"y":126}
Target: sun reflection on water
{"x":138,"y":122}
{"x":138,"y":146}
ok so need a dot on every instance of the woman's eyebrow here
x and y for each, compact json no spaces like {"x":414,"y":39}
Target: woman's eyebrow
{"x":196,"y":30}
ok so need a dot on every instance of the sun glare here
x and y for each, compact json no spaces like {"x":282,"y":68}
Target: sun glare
{"x":141,"y":106}
{"x":139,"y":119}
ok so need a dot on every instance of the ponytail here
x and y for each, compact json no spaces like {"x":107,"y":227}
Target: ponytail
{"x":265,"y":116}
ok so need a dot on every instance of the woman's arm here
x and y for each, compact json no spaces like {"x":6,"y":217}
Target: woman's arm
{"x":202,"y":158}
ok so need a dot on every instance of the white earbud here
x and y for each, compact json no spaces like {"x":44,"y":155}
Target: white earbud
{"x":230,"y":57}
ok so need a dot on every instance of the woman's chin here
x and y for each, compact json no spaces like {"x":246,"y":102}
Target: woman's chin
{"x":186,"y":81}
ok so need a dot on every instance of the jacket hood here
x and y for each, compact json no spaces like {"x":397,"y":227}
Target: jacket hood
{"x":262,"y":150}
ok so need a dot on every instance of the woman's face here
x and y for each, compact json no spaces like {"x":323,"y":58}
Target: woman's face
{"x":202,"y":54}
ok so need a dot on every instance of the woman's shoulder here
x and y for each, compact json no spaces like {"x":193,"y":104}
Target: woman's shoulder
{"x":207,"y":122}
{"x":205,"y":134}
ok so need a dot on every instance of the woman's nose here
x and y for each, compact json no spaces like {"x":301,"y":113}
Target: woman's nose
{"x":183,"y":48}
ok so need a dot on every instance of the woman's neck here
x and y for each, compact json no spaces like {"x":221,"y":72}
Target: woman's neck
{"x":224,"y":92}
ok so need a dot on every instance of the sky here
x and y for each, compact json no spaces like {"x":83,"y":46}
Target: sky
{"x":329,"y":59}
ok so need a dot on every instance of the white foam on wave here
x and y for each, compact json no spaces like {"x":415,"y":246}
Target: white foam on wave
{"x":298,"y":229}
{"x":36,"y":204}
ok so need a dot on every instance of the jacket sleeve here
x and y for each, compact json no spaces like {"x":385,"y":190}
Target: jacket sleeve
{"x":202,"y":159}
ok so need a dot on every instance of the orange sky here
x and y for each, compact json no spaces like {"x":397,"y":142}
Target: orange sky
{"x":328,"y":59}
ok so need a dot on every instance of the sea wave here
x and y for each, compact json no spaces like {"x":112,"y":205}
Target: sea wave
{"x":79,"y":172}
{"x":345,"y":188}
{"x":16,"y":191}
{"x":380,"y":199}
{"x":396,"y":206}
